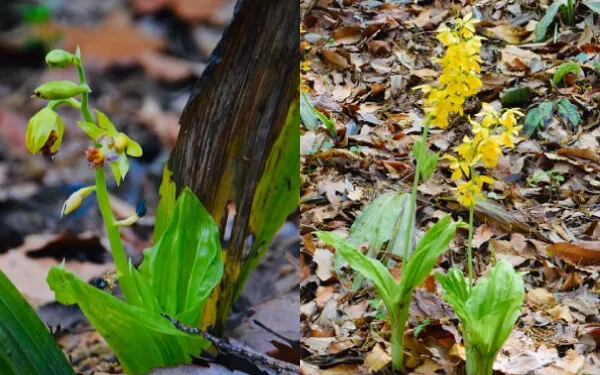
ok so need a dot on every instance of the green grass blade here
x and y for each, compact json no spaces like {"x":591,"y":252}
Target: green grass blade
{"x":26,"y":346}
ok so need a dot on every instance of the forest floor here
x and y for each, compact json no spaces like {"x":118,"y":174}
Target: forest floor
{"x":361,"y":61}
{"x":142,"y":60}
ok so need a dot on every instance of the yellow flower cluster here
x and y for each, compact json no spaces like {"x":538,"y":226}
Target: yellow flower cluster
{"x":460,"y":68}
{"x":304,"y":64}
{"x":495,"y":131}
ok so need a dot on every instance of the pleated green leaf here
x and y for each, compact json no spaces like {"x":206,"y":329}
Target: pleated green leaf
{"x":140,"y":338}
{"x":371,"y":268}
{"x":185,"y":264}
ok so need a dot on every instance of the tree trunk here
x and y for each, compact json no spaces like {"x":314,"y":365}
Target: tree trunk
{"x":236,"y":117}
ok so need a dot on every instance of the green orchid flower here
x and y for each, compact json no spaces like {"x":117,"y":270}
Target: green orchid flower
{"x":113,"y":145}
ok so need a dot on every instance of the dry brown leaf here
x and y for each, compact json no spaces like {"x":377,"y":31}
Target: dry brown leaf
{"x":323,"y":258}
{"x":540,"y":296}
{"x":509,"y":33}
{"x":342,"y":345}
{"x":561,"y":312}
{"x":572,"y":282}
{"x":517,"y":58}
{"x":571,"y":364}
{"x":482,"y":234}
{"x":380,"y":47}
{"x":347,"y":35}
{"x":201,"y":10}
{"x":377,"y":358}
{"x":304,"y":267}
{"x":425,"y":73}
{"x":584,"y":153}
{"x":117,"y":41}
{"x":429,"y":18}
{"x":324,"y":294}
{"x":334,"y":58}
{"x":149,"y":6}
{"x":29,"y":274}
{"x":169,"y":68}
{"x":583,"y":252}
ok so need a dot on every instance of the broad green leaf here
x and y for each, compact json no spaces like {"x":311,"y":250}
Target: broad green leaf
{"x":495,"y":303}
{"x":26,"y":346}
{"x":489,"y":310}
{"x":537,"y":117}
{"x":375,"y":224}
{"x":433,"y":244}
{"x":568,"y":112}
{"x":542,"y":26}
{"x":277,"y":194}
{"x":456,"y":291}
{"x":594,"y":6}
{"x":166,"y":204}
{"x":371,"y":268}
{"x":140,"y":337}
{"x":185,"y":265}
{"x":307,"y":114}
{"x":563,"y":69}
{"x":516,"y":97}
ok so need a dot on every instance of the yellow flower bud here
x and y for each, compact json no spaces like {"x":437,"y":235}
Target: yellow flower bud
{"x":59,"y":90}
{"x":44,"y":131}
{"x":58,"y":58}
{"x":75,"y":200}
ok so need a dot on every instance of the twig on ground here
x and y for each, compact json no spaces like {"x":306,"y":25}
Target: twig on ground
{"x":242,"y":352}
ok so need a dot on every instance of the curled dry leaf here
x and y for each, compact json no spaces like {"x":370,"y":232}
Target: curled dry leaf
{"x":583,"y":153}
{"x":347,"y":35}
{"x":581,"y":253}
{"x":334,"y":58}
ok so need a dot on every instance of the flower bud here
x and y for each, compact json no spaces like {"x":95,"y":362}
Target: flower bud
{"x":59,"y":90}
{"x":44,"y":132}
{"x":75,"y":200}
{"x":58,"y":58}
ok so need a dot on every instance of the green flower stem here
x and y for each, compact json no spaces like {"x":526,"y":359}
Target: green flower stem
{"x":413,"y":198}
{"x":470,"y":244}
{"x":84,"y":96}
{"x":478,"y":364}
{"x":473,"y":176}
{"x":114,"y":236}
{"x":398,"y":320}
{"x":72,"y":102}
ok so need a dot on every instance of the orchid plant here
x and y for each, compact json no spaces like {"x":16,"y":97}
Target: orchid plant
{"x":178,"y":272}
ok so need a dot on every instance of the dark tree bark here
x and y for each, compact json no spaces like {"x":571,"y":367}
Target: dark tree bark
{"x":231,"y":122}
